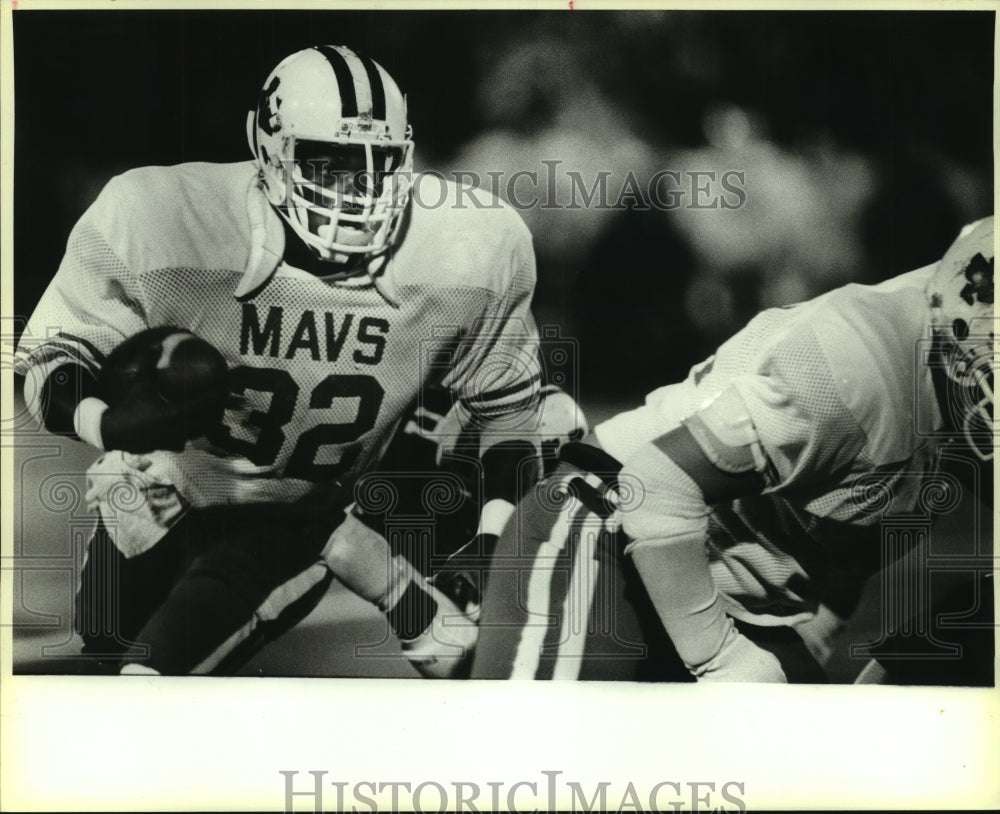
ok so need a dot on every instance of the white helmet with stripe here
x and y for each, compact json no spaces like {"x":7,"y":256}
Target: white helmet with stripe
{"x":961,"y":299}
{"x":334,"y":150}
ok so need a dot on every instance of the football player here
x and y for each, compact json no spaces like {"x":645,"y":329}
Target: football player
{"x":335,"y":299}
{"x":747,"y":498}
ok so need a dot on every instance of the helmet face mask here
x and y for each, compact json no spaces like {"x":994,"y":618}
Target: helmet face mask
{"x":334,"y":151}
{"x":961,"y":299}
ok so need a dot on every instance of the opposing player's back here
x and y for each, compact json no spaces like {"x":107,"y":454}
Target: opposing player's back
{"x":846,"y":362}
{"x":825,"y":382}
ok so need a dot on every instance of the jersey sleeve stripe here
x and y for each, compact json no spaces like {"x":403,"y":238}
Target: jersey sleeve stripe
{"x":502,"y":408}
{"x":95,"y":353}
{"x":51,"y":352}
{"x":504,"y":392}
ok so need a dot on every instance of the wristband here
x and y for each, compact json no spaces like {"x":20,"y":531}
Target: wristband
{"x":87,"y":421}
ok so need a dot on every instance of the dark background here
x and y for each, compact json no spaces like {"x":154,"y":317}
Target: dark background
{"x":888,"y":114}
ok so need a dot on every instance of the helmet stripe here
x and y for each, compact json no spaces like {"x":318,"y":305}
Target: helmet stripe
{"x":362,"y":84}
{"x":345,"y":80}
{"x":378,"y":90}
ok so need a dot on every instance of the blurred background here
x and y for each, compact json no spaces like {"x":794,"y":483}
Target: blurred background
{"x":862,"y":141}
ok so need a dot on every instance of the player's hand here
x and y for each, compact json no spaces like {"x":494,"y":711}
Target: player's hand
{"x":821,"y":634}
{"x":133,"y":475}
{"x":463,"y":575}
{"x":445,"y":648}
{"x":137,"y":507}
{"x":162,"y":386}
{"x":144,"y":424}
{"x":740,"y":660}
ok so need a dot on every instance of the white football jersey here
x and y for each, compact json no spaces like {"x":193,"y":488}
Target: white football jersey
{"x":843,"y":408}
{"x":321,"y":371}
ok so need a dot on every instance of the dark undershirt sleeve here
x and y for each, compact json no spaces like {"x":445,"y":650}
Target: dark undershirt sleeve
{"x":64,"y":388}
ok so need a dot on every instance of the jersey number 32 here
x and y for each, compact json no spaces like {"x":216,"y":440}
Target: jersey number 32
{"x":270,"y":423}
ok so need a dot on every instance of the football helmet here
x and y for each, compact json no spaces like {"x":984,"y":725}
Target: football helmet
{"x":334,"y":150}
{"x":960,"y":294}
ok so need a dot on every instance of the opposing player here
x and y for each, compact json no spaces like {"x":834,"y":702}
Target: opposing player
{"x":335,"y":300}
{"x":748,"y":497}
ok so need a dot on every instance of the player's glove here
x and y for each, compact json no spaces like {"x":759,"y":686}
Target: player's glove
{"x":162,"y":386}
{"x":136,"y":506}
{"x":740,"y":660}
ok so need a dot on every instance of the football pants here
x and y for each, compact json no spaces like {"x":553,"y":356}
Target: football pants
{"x":219,"y":585}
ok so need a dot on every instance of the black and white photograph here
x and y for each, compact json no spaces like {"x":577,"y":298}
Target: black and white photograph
{"x":498,"y":409}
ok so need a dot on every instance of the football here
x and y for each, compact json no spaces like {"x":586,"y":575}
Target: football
{"x":170,"y":364}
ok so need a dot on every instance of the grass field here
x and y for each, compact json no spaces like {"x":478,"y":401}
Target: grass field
{"x":344,"y":636}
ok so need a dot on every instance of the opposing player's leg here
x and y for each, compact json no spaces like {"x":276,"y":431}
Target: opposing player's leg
{"x":563,"y":601}
{"x":560,"y":599}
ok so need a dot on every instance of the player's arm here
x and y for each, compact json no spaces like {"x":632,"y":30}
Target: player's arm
{"x":497,"y":380}
{"x":712,"y":457}
{"x":506,"y":415}
{"x":54,"y":393}
{"x":92,"y":371}
{"x":91,"y":305}
{"x":124,"y":404}
{"x":61,"y":370}
{"x":72,"y":401}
